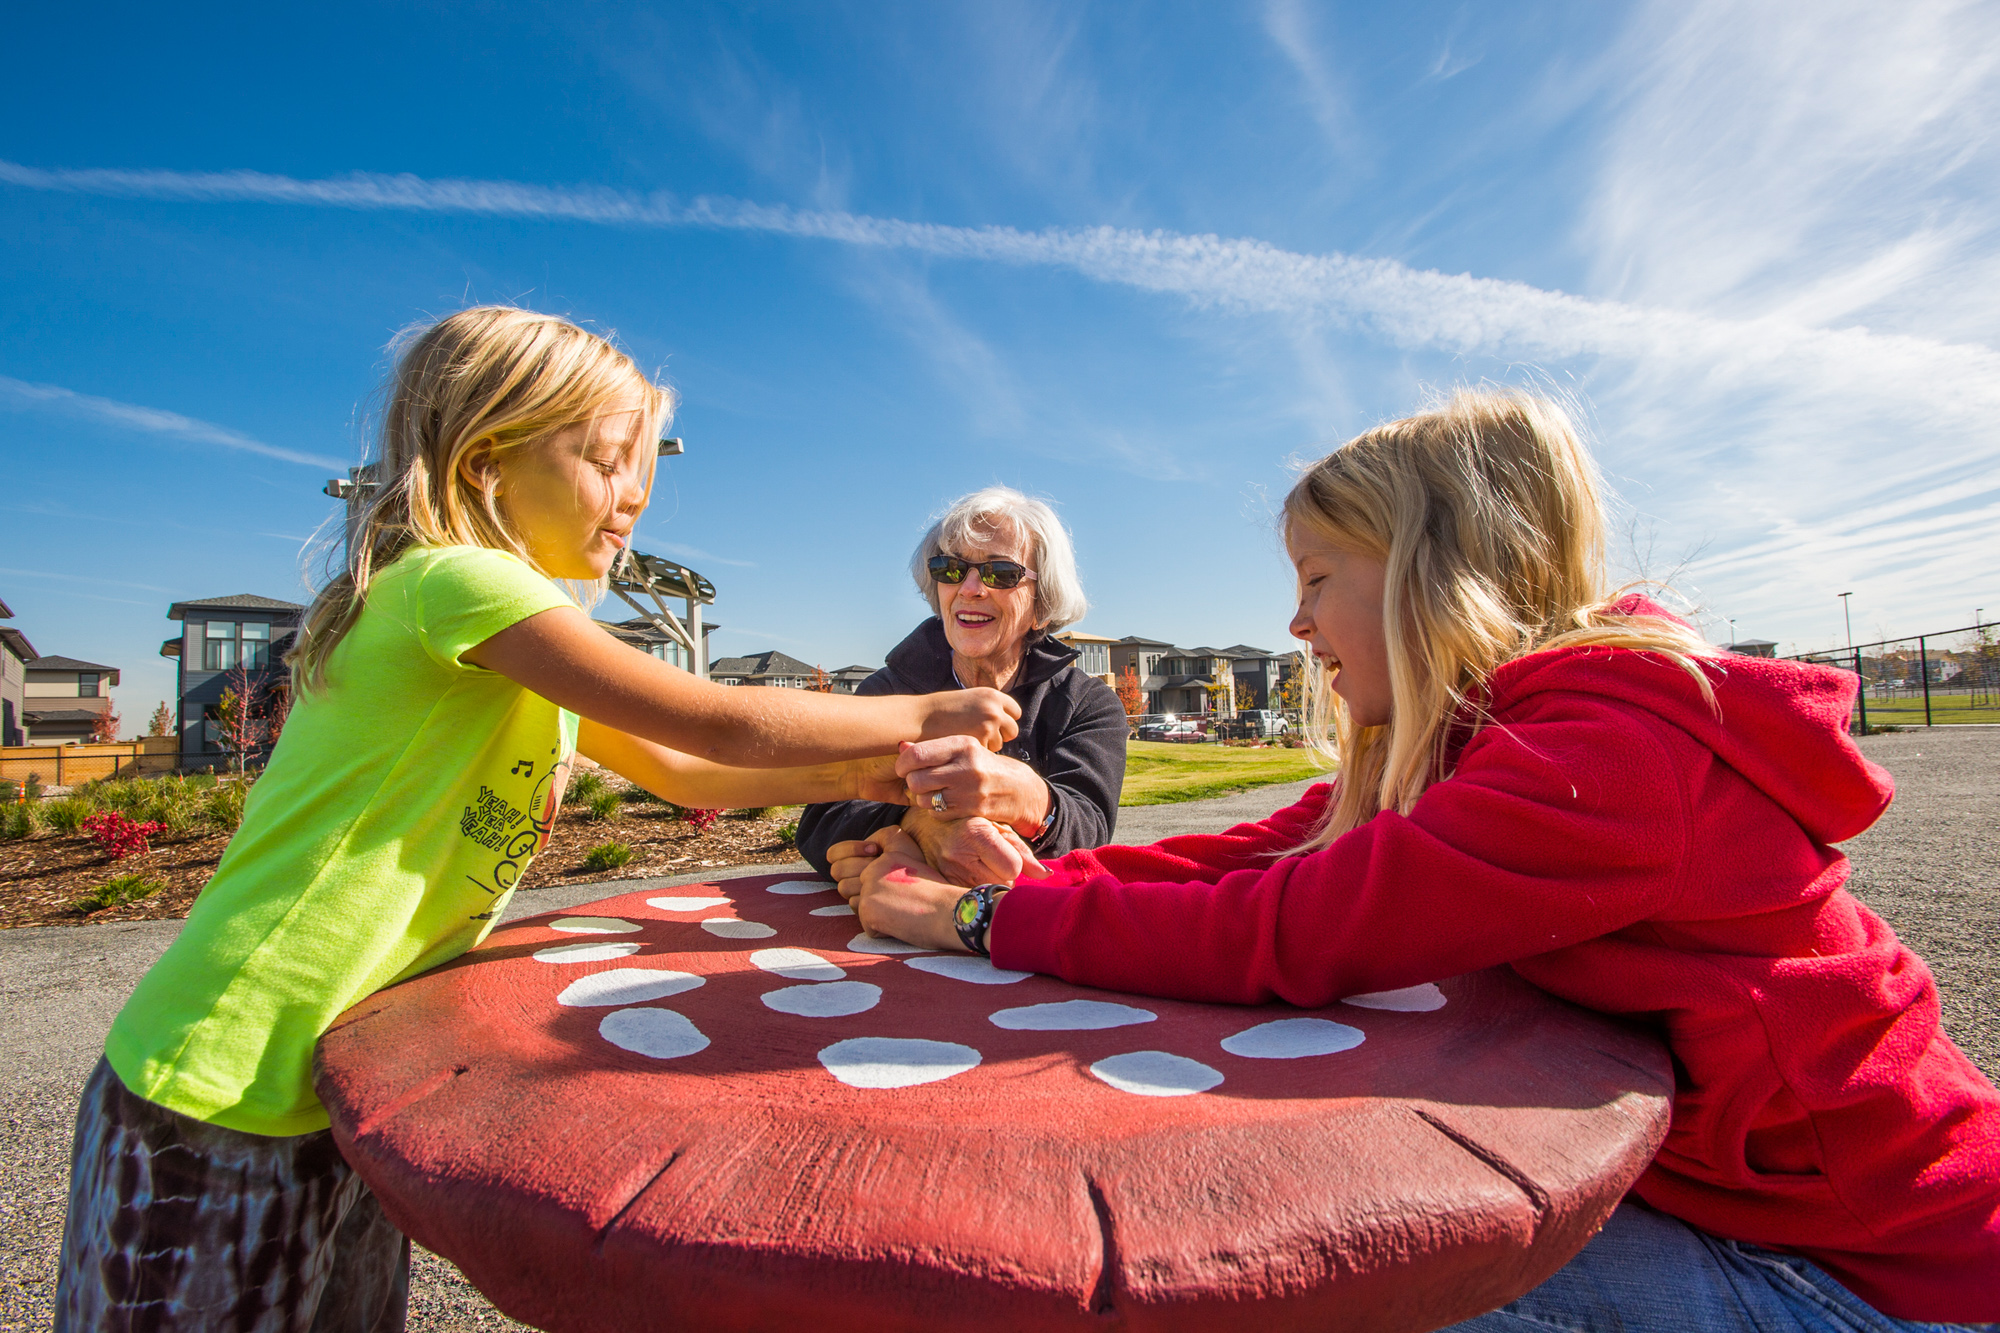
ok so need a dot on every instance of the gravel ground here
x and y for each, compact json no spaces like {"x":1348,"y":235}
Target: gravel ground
{"x":1931,"y":867}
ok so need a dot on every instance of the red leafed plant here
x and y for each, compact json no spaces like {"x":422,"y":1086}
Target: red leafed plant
{"x":121,"y":836}
{"x":703,"y":820}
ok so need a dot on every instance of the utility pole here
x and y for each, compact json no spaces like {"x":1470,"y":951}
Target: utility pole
{"x":1848,"y":617}
{"x":1732,"y":633}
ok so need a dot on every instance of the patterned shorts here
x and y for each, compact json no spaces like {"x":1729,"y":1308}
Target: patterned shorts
{"x":179,"y":1225}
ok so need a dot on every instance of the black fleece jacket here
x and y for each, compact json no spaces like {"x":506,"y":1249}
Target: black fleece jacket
{"x":1073,"y":733}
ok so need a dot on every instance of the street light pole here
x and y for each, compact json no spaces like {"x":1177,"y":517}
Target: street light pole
{"x":1732,"y":633}
{"x":1848,"y":616}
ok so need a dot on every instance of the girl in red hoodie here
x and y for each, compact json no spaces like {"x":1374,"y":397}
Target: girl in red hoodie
{"x":1534,"y":773}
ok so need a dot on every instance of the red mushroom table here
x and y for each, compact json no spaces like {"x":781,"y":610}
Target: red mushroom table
{"x":722,"y":1106}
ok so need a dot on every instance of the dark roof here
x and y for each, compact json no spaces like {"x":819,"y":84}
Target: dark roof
{"x":850,"y":670}
{"x":42,"y":717}
{"x":1245,"y":650}
{"x":66,"y":664}
{"x":236,"y":601}
{"x":770,"y":662}
{"x":638,"y":627}
{"x":6,"y":611}
{"x":17,"y":641}
{"x":1135,"y":639}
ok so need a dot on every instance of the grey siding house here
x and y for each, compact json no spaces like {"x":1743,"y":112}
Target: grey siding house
{"x":15,"y":654}
{"x":66,"y":697}
{"x":219,"y":637}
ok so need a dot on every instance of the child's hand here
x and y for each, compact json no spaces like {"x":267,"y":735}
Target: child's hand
{"x":900,"y":895}
{"x":875,"y":780}
{"x":988,"y":716}
{"x":847,"y":860}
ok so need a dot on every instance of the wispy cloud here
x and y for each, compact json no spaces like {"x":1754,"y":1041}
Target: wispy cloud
{"x":80,"y":578}
{"x":1290,"y":30}
{"x":1456,"y":313}
{"x":153,"y":420}
{"x":683,"y":552}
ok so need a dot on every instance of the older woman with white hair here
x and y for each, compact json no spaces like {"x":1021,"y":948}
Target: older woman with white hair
{"x":998,"y":569}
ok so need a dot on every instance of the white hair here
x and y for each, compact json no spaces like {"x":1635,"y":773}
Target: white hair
{"x":973,"y":518}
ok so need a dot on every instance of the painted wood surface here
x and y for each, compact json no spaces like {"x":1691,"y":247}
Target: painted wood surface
{"x":723,"y":1107}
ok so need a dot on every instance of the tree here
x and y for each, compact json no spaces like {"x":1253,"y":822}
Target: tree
{"x":1221,"y":688}
{"x":821,"y":682}
{"x":105,"y":728}
{"x":1129,"y":693}
{"x":1289,"y":695}
{"x":163,"y":721}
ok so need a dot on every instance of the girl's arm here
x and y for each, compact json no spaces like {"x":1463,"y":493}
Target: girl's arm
{"x":697,"y":783}
{"x":562,"y":656}
{"x":1556,"y":828}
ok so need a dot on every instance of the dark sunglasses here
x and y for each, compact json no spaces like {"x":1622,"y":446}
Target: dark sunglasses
{"x":992,"y":573}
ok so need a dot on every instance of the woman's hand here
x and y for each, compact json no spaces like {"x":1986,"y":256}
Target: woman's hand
{"x":897,"y":893}
{"x":985,"y":716}
{"x":971,"y":851}
{"x":973,"y":782}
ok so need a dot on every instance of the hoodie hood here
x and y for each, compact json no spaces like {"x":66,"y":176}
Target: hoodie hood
{"x":921,"y":663}
{"x":1781,"y":725}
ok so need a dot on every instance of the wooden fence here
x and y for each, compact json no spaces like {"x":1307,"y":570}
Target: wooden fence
{"x":68,"y":765}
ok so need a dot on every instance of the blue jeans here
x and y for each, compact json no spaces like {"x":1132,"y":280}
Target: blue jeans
{"x":1647,"y":1272}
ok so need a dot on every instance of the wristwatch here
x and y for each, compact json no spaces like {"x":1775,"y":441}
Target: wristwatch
{"x":973,"y":915}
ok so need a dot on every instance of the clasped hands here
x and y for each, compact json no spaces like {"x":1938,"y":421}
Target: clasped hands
{"x":904,"y":878}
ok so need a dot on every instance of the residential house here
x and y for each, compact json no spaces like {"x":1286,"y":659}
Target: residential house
{"x":650,"y":639}
{"x":1143,"y":657}
{"x":15,"y":654}
{"x":1258,"y":673}
{"x":848,"y":679}
{"x":65,"y":699}
{"x":769,"y":667}
{"x":1179,"y":680}
{"x":1093,"y":653}
{"x":240,"y":637}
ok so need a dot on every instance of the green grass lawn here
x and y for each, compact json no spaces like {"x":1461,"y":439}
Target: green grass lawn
{"x":1161,"y":772}
{"x":1945,"y":709}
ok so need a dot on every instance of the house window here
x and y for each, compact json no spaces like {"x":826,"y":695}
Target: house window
{"x":226,"y":644}
{"x":86,"y":684}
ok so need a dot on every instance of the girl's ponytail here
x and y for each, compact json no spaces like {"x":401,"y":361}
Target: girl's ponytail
{"x":491,"y":375}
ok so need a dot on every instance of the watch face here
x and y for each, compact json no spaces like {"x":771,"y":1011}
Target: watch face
{"x":967,"y":910}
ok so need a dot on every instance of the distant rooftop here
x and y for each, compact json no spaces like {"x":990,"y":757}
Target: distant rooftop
{"x":235,"y":601}
{"x":66,"y":664}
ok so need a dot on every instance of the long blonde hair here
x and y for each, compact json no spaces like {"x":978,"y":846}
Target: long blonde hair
{"x":1487,"y":513}
{"x":491,"y":376}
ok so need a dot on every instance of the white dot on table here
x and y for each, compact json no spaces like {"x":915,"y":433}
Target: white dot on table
{"x":659,"y":1033}
{"x":1409,"y":1000}
{"x":964,"y":967}
{"x":866,"y":943}
{"x":593,"y":925}
{"x":895,"y":1062}
{"x":1156,"y":1074}
{"x":685,"y":904}
{"x":729,"y":928}
{"x":626,"y":985}
{"x":798,"y":964}
{"x":1070,"y":1016}
{"x":581,"y":952}
{"x":800,"y":886}
{"x":832,"y":999}
{"x":834,"y":909}
{"x":1293,"y":1038}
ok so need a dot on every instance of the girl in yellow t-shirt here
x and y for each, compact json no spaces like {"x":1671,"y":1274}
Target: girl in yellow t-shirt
{"x":444,"y":684}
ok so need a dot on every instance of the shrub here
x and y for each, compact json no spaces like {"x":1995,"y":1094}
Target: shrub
{"x":788,"y":834}
{"x":639,"y":795}
{"x":583,"y":786}
{"x":21,"y":821}
{"x":33,"y":787}
{"x":703,"y":820}
{"x":757,"y":812}
{"x":120,"y":836}
{"x":10,"y":791}
{"x":607,"y":856}
{"x":606,"y":805}
{"x":224,"y":806}
{"x":119,"y":794}
{"x":116,"y":892}
{"x":67,"y":814}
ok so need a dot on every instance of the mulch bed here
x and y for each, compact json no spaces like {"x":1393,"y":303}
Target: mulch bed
{"x":42,"y":878}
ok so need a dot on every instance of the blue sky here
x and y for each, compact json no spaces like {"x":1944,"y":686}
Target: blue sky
{"x":1135,"y":258}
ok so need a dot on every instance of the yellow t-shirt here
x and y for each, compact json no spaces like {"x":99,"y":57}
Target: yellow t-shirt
{"x":399,"y":809}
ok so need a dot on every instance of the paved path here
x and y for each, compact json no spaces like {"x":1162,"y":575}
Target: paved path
{"x":1931,"y":866}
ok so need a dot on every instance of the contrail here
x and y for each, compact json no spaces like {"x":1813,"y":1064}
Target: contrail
{"x":156,"y":421}
{"x":1410,"y":307}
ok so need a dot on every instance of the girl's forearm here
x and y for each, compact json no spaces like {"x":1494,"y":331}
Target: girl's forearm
{"x":699,"y":783}
{"x":562,"y":656}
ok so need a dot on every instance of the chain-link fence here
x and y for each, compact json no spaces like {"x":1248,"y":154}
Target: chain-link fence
{"x":1951,"y":678}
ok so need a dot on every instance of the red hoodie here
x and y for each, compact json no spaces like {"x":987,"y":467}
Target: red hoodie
{"x":1626,"y":848}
